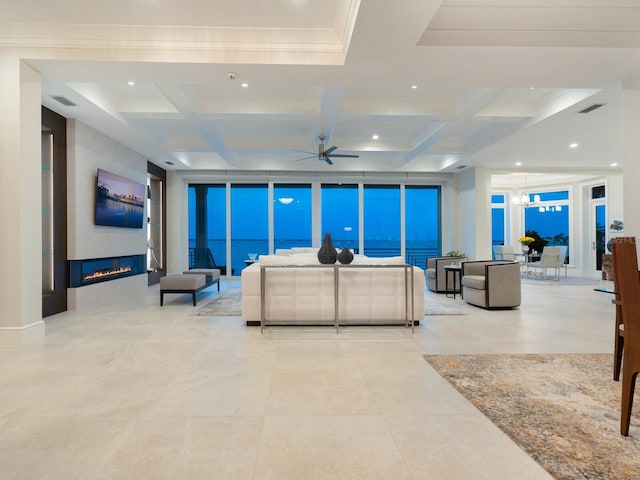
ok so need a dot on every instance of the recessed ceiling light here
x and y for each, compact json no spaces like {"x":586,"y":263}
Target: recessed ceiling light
{"x":375,"y":137}
{"x":245,"y":85}
{"x":131,"y":83}
{"x":573,"y":145}
{"x":532,"y":88}
{"x":414,"y":86}
{"x":518,"y":164}
{"x":614,"y":164}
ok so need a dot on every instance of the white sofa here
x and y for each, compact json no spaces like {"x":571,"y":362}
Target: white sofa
{"x":298,"y":295}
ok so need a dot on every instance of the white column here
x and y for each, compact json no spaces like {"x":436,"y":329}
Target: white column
{"x":474,"y":206}
{"x":631,"y":158}
{"x":20,"y":198}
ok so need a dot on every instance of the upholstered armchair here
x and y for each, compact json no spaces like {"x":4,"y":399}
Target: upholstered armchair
{"x":491,"y":284}
{"x":435,"y":274}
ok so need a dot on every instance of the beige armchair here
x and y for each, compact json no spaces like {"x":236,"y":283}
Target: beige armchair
{"x":435,"y":274}
{"x":491,"y":284}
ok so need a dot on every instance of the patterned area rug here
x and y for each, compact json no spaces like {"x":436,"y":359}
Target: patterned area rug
{"x":225,"y":304}
{"x":563,"y":410}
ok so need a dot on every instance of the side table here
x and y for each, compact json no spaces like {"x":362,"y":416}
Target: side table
{"x":456,"y":270}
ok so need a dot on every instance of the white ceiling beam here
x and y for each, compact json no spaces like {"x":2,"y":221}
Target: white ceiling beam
{"x":178,"y":97}
{"x":329,"y":108}
{"x":471,"y":106}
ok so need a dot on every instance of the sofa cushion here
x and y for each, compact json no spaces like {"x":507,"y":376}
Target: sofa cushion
{"x":297,"y":250}
{"x":474,"y":281}
{"x":364,"y":260}
{"x":182,"y":282}
{"x":430,"y":272}
{"x":300,"y":259}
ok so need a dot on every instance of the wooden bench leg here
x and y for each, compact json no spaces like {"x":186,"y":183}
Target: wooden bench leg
{"x":161,"y":297}
{"x":193,"y":295}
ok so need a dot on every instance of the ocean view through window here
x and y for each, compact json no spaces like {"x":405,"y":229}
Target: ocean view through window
{"x":550,"y":217}
{"x":340,"y":207}
{"x":291,"y":215}
{"x":291,"y":207}
{"x":382,"y":220}
{"x":422,"y":223}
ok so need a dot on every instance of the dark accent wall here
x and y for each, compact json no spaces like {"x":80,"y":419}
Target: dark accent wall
{"x":56,"y":301}
{"x":160,"y":173}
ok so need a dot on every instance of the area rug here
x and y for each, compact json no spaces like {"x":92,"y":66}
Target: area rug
{"x":229,"y":304}
{"x":563,"y":410}
{"x":226,"y":304}
{"x":442,"y":306}
{"x":553,"y":281}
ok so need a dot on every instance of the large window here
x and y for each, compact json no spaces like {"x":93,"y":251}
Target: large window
{"x":249,"y":223}
{"x":340,"y":214}
{"x":382,"y":220}
{"x":422,"y":223}
{"x":207,"y":226}
{"x":498,"y":217}
{"x":246,"y":208}
{"x":291,"y":215}
{"x":549,"y":218}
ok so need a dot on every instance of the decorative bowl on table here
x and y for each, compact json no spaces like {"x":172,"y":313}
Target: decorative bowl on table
{"x":253,"y":256}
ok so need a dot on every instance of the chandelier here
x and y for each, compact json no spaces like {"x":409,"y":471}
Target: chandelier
{"x":526,"y":200}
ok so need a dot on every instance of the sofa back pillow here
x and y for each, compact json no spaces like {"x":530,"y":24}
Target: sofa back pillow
{"x":364,"y":260}
{"x":300,"y":259}
{"x":299,"y":250}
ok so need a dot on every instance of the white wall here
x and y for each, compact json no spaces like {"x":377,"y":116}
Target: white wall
{"x":631,"y":157}
{"x":88,"y":150}
{"x":20,"y":196}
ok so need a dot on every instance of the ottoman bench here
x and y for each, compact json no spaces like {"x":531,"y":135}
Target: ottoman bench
{"x":212,"y":274}
{"x":189,"y":283}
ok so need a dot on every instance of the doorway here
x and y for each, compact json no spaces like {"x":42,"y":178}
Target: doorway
{"x":598,"y":228}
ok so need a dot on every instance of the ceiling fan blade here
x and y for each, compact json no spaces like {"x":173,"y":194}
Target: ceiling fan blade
{"x":344,"y":156}
{"x":329,"y":150}
{"x":306,"y":158}
{"x":328,"y":160}
{"x":304,"y":151}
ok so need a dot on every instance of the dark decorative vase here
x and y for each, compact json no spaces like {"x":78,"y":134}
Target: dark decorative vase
{"x":345,"y":256}
{"x":327,"y":254}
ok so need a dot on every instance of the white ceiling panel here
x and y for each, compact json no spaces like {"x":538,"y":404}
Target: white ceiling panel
{"x":343,"y":68}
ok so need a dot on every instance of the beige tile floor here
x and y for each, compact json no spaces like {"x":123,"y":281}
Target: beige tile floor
{"x":136,"y":391}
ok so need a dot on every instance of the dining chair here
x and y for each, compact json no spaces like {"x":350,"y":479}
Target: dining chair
{"x":549,"y":259}
{"x":627,"y":285}
{"x":508,"y":252}
{"x":562,"y":258}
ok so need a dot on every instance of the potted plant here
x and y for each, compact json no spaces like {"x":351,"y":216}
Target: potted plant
{"x":525,"y":242}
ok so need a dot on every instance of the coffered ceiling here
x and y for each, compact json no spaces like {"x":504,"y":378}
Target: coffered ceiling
{"x":250,"y":85}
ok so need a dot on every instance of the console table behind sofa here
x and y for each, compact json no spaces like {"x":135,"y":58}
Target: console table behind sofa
{"x":314,"y":294}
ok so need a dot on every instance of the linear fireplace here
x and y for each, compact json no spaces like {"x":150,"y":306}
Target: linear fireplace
{"x":96,"y":270}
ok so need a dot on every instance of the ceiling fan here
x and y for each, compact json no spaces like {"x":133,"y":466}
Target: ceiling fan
{"x":326,"y":155}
